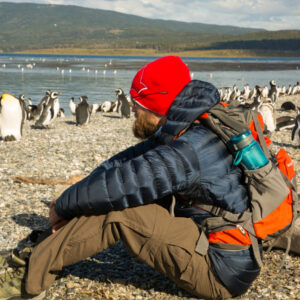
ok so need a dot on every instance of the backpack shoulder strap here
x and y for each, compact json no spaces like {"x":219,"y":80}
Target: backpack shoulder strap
{"x":260,"y":135}
{"x":223,"y":114}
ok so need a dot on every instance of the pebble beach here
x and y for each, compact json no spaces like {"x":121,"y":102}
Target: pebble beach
{"x":65,"y":151}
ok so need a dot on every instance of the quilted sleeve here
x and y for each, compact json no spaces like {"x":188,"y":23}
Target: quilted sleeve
{"x":141,"y":180}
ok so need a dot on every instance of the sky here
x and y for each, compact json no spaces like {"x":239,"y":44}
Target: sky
{"x":267,"y":14}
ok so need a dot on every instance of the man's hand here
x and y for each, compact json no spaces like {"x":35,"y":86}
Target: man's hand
{"x":55,"y":220}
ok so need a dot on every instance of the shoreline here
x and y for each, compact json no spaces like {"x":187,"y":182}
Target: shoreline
{"x":195,"y":63}
{"x":154,"y":53}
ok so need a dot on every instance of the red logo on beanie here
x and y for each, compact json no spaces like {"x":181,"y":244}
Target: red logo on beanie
{"x":157,"y":84}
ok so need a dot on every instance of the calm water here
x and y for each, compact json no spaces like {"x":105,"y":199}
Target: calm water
{"x":97,"y":76}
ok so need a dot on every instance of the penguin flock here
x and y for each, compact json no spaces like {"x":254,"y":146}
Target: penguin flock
{"x":228,"y":94}
{"x":263,"y":100}
{"x":15,"y":111}
{"x":82,"y":110}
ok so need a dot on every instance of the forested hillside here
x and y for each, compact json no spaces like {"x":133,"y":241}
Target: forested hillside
{"x":36,"y":26}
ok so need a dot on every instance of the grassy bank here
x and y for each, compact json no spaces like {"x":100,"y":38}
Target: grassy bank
{"x":152,"y":52}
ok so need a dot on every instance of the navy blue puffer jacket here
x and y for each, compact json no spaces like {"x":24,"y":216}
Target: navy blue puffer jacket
{"x":196,"y":165}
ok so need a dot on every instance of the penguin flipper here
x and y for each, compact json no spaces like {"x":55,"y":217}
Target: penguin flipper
{"x":52,"y":112}
{"x":294,"y":131}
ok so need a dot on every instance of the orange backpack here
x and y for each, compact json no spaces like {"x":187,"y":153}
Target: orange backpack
{"x":271,"y":189}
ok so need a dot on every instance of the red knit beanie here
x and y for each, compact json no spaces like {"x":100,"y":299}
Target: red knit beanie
{"x":157,"y":84}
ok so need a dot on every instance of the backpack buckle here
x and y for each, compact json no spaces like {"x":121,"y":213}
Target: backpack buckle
{"x":217,"y":211}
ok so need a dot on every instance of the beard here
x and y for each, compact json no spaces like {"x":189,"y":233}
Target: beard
{"x":143,"y":128}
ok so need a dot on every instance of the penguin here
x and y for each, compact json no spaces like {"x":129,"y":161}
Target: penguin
{"x":296,"y":129}
{"x":12,"y":116}
{"x":294,"y":89}
{"x":266,"y":109}
{"x":82,"y":111}
{"x":72,"y":106}
{"x":227,"y":94}
{"x":236,"y":93}
{"x":252,"y":94}
{"x":115,"y":106}
{"x":22,"y":101}
{"x":264,"y":91}
{"x":37,"y":110}
{"x":94,"y":108}
{"x":124,"y":104}
{"x":282,"y":91}
{"x":61,"y":113}
{"x":238,"y":101}
{"x":221,"y":93}
{"x":285,"y":122}
{"x":273,"y":93}
{"x":105,"y":106}
{"x":245,"y":92}
{"x":50,"y":111}
{"x":289,"y":90}
{"x":288,"y":105}
{"x":56,"y":104}
{"x":255,"y":103}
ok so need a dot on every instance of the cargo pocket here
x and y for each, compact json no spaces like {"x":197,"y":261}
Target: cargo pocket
{"x":181,"y":267}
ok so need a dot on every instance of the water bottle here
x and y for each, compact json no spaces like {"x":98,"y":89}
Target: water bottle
{"x":248,"y":151}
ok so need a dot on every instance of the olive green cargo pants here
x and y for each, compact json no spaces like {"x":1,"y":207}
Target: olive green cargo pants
{"x":149,"y":233}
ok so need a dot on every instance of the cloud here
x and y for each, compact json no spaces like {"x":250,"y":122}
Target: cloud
{"x":268,"y":14}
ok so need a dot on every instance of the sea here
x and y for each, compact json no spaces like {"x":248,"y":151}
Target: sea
{"x":97,"y":77}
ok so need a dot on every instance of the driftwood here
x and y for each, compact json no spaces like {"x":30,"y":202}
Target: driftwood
{"x":51,"y":180}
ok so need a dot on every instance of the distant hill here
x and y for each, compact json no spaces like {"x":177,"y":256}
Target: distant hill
{"x":26,"y":26}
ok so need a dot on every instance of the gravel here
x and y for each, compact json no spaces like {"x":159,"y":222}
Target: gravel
{"x":66,"y":150}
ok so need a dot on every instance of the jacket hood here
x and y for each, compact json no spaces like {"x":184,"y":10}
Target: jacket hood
{"x":196,"y":98}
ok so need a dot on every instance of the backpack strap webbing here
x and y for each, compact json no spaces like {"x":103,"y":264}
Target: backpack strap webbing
{"x":209,"y":123}
{"x":220,"y":112}
{"x":220,"y":221}
{"x":260,"y":135}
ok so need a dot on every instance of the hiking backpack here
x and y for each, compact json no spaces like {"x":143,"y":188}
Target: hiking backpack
{"x":271,"y":189}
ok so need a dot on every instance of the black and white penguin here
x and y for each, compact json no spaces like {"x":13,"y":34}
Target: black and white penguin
{"x":296,"y":129}
{"x":61,"y":113}
{"x":285,"y":122}
{"x":22,"y":100}
{"x":273,"y":94}
{"x":94,"y":108}
{"x":264,"y":91}
{"x":72,"y":106}
{"x":288,"y":105}
{"x":245,"y":92}
{"x":255,"y":103}
{"x":35,"y":111}
{"x":289,"y":90}
{"x":12,"y":116}
{"x":266,"y":109}
{"x":106,"y":106}
{"x":124,"y":104}
{"x":50,"y":111}
{"x":82,"y":111}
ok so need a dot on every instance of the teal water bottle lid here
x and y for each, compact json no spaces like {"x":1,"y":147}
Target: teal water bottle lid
{"x":248,"y":151}
{"x":241,"y":140}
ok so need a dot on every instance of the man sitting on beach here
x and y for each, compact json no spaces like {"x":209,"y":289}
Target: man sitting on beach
{"x":129,"y":198}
